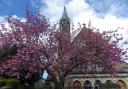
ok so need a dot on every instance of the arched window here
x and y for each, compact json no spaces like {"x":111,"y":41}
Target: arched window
{"x":77,"y":85}
{"x":110,"y":85}
{"x":97,"y":84}
{"x":87,"y":85}
{"x":109,"y":82}
{"x":122,"y":84}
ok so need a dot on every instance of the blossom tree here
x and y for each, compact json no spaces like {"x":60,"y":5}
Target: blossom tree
{"x":89,"y":48}
{"x":21,"y":47}
{"x":34,"y":47}
{"x":99,"y":49}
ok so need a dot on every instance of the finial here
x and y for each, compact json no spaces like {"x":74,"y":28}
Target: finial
{"x":84,"y":25}
{"x":89,"y":24}
{"x":64,"y":12}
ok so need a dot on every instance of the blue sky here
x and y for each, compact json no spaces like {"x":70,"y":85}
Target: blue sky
{"x":103,"y":6}
{"x":16,"y":7}
{"x":100,"y":7}
{"x":103,"y":14}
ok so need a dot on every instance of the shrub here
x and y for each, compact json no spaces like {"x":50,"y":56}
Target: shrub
{"x":15,"y":84}
{"x":2,"y":82}
{"x":12,"y":83}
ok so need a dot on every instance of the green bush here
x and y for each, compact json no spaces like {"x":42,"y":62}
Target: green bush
{"x":6,"y":87}
{"x":13,"y":83}
{"x":2,"y":82}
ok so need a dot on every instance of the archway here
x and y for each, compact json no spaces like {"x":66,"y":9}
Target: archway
{"x":77,"y":85}
{"x":109,"y":82}
{"x":122,"y":84}
{"x":109,"y":85}
{"x":87,"y":85}
{"x":97,"y":84}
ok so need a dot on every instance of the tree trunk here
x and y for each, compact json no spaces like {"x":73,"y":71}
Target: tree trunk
{"x":60,"y":84}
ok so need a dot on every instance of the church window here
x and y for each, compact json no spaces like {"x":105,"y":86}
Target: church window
{"x":97,"y":84}
{"x":109,"y":82}
{"x":122,"y":84}
{"x":87,"y":85}
{"x":77,"y":85}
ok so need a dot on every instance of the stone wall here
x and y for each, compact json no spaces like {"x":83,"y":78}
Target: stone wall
{"x":93,"y":77}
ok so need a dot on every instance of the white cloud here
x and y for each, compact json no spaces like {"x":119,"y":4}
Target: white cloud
{"x":3,"y":21}
{"x":22,"y":19}
{"x":53,"y":10}
{"x":6,"y":24}
{"x":81,"y":11}
{"x":118,"y":9}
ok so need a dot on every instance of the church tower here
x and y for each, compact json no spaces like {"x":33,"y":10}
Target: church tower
{"x":65,"y":22}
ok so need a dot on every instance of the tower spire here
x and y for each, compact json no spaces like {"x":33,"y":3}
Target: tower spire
{"x":65,"y":14}
{"x":65,"y":22}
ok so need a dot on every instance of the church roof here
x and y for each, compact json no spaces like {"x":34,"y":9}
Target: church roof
{"x":82,"y":69}
{"x":123,"y":67}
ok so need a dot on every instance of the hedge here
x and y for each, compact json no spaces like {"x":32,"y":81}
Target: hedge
{"x":13,"y":83}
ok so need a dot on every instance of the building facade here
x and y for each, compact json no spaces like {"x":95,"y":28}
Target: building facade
{"x":97,"y":80}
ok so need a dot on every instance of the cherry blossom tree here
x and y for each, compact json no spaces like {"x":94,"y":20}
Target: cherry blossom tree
{"x":31,"y":46}
{"x":21,"y":47}
{"x":89,"y":48}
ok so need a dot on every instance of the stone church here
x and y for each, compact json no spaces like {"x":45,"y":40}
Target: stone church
{"x":78,"y":79}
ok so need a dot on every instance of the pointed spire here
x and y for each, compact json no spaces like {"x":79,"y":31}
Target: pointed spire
{"x":65,"y":22}
{"x":64,"y":12}
{"x":65,"y":16}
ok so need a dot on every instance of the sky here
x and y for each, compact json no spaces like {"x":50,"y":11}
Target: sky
{"x":103,"y":14}
{"x":15,"y":7}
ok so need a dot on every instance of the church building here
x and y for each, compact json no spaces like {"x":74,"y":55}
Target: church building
{"x":79,"y":79}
